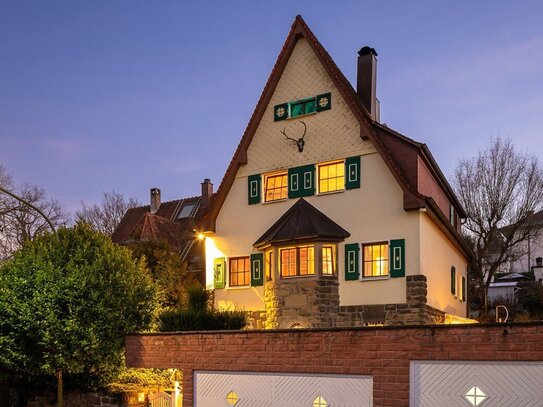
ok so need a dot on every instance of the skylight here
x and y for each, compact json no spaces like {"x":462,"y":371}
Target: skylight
{"x":186,"y":210}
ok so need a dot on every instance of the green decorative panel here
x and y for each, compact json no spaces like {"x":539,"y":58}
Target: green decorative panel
{"x":397,"y":258}
{"x":280,"y":112}
{"x":254,"y":189}
{"x":324,"y":102}
{"x":219,"y":272}
{"x":257,"y":269}
{"x":352,"y":262}
{"x":352,"y":172}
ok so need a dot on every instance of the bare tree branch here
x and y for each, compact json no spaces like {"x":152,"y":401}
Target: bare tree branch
{"x":106,"y":217}
{"x":499,"y":189}
{"x":23,"y":221}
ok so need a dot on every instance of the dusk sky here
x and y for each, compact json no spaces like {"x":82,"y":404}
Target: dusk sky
{"x":125,"y":95}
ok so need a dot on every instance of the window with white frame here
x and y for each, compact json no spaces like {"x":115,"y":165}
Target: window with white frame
{"x":297,"y":261}
{"x":275,"y":186}
{"x":375,"y":259}
{"x":331,"y":177}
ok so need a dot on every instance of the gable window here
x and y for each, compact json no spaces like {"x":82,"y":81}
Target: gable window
{"x":375,"y":259}
{"x":328,"y":260}
{"x":239,"y":272}
{"x":331,"y":176}
{"x":297,"y":261}
{"x":303,"y":107}
{"x":275,"y":186}
{"x":186,"y":211}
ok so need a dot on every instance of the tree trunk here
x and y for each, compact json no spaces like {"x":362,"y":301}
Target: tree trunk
{"x":60,"y":392}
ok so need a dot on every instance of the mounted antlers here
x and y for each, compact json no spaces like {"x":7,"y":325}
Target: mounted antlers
{"x":300,"y":142}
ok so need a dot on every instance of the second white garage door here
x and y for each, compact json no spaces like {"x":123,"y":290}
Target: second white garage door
{"x":476,"y":384}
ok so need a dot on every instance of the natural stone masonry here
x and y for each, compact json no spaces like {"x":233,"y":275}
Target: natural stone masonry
{"x":313,"y":302}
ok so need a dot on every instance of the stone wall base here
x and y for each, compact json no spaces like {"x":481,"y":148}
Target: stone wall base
{"x":315,"y":304}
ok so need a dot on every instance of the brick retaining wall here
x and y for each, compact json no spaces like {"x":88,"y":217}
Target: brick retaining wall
{"x":383,"y":353}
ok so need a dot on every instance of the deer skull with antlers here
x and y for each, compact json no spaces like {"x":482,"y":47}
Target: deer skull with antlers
{"x":300,"y":142}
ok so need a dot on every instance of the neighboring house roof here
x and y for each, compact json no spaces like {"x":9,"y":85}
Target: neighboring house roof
{"x":512,"y":276}
{"x":401,"y":154}
{"x":505,"y":284}
{"x":534,"y":219}
{"x":138,"y":224}
{"x":302,"y":222}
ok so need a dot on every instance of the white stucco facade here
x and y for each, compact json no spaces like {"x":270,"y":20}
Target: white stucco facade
{"x":372,"y":213}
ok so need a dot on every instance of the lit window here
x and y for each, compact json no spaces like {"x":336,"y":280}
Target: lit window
{"x":331,"y":177}
{"x":302,"y":107}
{"x":297,"y":261}
{"x":453,"y":280}
{"x":269,"y":265}
{"x":185,"y":211}
{"x":328,"y":260}
{"x":275,"y":187}
{"x":375,"y":259}
{"x":240,"y":272}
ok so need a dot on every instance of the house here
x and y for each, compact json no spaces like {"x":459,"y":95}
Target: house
{"x":173,"y":222}
{"x":524,"y":257}
{"x":325,"y":216}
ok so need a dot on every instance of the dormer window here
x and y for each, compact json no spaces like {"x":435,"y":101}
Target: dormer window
{"x":186,"y":210}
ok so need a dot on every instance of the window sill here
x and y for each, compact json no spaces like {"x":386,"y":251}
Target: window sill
{"x":301,"y":115}
{"x":238,"y":287}
{"x":275,"y":201}
{"x":331,"y":192}
{"x":375,"y":278}
{"x":297,"y":277}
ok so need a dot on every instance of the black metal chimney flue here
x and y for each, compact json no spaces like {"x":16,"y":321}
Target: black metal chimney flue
{"x":366,"y":85}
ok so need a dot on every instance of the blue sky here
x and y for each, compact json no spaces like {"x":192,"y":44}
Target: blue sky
{"x":127,"y":95}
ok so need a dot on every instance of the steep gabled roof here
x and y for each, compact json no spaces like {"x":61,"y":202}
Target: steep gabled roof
{"x":153,"y":228}
{"x":401,"y":162}
{"x":138,"y":224}
{"x":302,"y":222}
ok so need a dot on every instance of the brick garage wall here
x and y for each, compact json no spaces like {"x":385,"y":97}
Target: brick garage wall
{"x":383,"y":353}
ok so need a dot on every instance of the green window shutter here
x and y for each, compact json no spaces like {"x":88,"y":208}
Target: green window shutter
{"x":307,"y":176}
{"x":294,"y":183}
{"x":453,"y":280}
{"x":280,"y":112}
{"x":219,"y":268}
{"x":324,"y":102}
{"x":257,"y":269}
{"x":352,"y":172}
{"x":463,"y":288}
{"x":397,"y":258}
{"x":352,"y":265}
{"x":254,"y":188}
{"x":301,"y":181}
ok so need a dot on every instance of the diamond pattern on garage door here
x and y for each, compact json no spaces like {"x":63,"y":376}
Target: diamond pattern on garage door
{"x":284,"y":390}
{"x":504,"y":384}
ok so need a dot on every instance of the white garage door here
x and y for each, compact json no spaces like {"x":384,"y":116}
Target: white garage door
{"x":484,"y":384}
{"x":217,"y":389}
